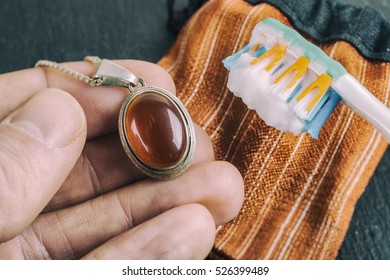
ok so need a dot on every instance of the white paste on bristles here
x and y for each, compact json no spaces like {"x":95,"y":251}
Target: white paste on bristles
{"x":254,"y":85}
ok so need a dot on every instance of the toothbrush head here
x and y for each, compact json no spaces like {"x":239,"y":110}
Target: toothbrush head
{"x":288,"y":80}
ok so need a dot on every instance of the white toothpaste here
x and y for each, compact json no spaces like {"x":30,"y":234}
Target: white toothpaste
{"x":254,"y":85}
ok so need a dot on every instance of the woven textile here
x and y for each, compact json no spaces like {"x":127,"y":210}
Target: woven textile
{"x":299,"y":192}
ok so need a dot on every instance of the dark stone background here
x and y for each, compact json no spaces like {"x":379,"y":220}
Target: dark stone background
{"x":69,"y":30}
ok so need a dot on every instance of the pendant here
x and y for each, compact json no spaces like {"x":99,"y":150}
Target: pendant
{"x":155,"y":128}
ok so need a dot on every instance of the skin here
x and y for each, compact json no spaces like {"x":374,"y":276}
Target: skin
{"x":68,"y":191}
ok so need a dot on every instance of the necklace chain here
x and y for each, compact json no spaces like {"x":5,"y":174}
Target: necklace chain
{"x":84,"y":78}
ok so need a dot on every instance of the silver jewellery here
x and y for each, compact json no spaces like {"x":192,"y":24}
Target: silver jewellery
{"x":155,"y":128}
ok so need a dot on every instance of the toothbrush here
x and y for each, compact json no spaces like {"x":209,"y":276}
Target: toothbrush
{"x":294,"y":86}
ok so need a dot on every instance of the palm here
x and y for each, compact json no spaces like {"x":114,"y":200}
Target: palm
{"x":103,"y":206}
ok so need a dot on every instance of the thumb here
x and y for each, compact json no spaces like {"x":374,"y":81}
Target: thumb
{"x":39,"y":144}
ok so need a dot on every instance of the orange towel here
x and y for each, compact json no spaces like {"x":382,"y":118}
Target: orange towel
{"x":299,"y":192}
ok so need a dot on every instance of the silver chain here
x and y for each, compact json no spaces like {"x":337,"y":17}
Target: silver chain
{"x":84,"y":78}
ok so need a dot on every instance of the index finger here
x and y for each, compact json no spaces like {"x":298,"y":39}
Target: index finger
{"x":101,"y":104}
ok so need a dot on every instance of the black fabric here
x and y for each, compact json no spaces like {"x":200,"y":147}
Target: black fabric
{"x":368,"y":235}
{"x":327,"y":20}
{"x":177,"y":17}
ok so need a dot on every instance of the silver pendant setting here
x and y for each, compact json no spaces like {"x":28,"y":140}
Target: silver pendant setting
{"x":155,"y":128}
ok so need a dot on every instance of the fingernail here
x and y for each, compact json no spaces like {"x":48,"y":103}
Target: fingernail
{"x":52,"y":116}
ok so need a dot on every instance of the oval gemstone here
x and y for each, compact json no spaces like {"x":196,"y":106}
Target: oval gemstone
{"x":155,"y":130}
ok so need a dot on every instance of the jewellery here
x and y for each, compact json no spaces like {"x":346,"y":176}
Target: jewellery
{"x":155,"y":128}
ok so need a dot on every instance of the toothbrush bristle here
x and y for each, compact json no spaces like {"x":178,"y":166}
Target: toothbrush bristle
{"x":280,"y":66}
{"x":294,"y":92}
{"x":227,"y":62}
{"x":322,"y":84}
{"x":295,"y":71}
{"x":277,"y":51}
{"x":314,"y":125}
{"x":299,"y":67}
{"x":255,"y":48}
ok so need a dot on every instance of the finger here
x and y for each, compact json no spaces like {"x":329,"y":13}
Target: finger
{"x":185,"y":232}
{"x":103,"y":166}
{"x":39,"y":144}
{"x":17,"y":87}
{"x":100,"y":103}
{"x":79,"y":229}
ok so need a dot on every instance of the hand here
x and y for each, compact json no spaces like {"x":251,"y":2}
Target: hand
{"x":67,"y":192}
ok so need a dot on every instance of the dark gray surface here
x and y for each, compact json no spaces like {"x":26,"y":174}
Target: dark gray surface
{"x":69,"y":30}
{"x":368,"y":236}
{"x":332,"y":20}
{"x":380,"y":5}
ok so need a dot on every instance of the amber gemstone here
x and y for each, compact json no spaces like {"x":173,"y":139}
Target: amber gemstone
{"x":155,"y":130}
